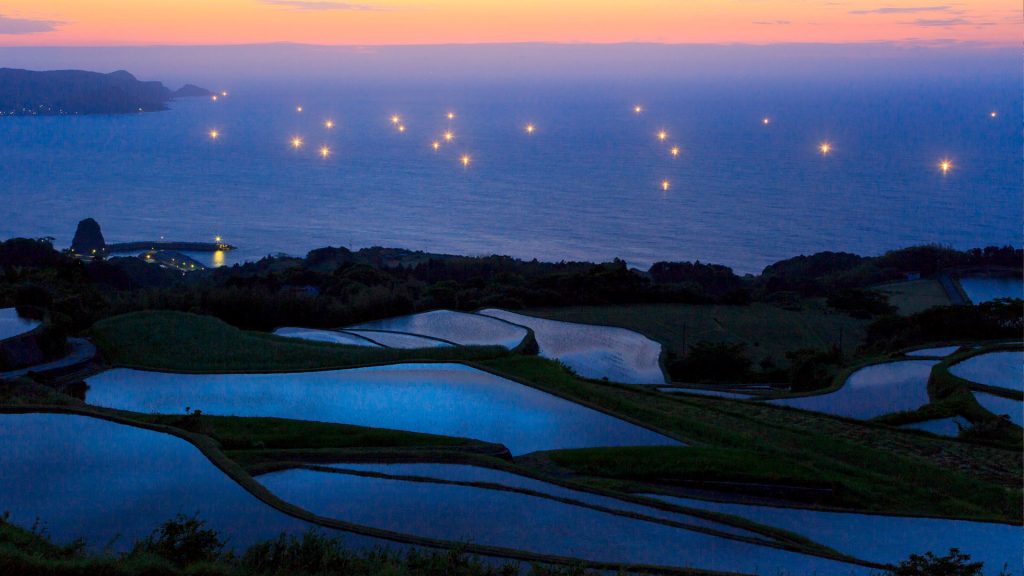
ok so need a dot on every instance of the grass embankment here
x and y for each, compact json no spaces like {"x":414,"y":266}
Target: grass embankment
{"x":259,"y":444}
{"x":952,"y":395}
{"x":180,"y":342}
{"x":914,"y":296}
{"x":768,"y":331}
{"x":868,"y":467}
{"x":677,"y":465}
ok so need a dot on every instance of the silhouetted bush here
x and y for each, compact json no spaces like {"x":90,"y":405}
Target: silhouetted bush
{"x":989,"y":320}
{"x":712,"y":362}
{"x":861,"y":303}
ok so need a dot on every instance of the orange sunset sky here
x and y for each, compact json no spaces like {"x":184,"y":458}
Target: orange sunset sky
{"x":382,"y":22}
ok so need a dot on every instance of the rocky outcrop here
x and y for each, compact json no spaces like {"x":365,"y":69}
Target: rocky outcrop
{"x":191,"y":91}
{"x":88,"y":238}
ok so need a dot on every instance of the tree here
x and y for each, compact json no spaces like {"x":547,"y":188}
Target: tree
{"x":953,"y":564}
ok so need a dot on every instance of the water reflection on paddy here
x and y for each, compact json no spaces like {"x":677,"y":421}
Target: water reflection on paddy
{"x":1003,"y":369}
{"x":400,"y":340}
{"x":873,"y":391}
{"x":469,"y":473}
{"x":113,"y":484}
{"x":940,"y":426}
{"x":448,"y":399}
{"x":984,"y":289}
{"x":1000,"y":406}
{"x":940,"y":352}
{"x":459,"y":327}
{"x":885,"y":539}
{"x":13,"y":325}
{"x":332,"y":336}
{"x":509,"y":519}
{"x":592,"y":351}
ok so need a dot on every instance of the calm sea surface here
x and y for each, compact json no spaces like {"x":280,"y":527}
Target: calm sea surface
{"x":587,"y":184}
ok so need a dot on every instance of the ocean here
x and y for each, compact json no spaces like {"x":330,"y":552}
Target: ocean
{"x":587,"y":184}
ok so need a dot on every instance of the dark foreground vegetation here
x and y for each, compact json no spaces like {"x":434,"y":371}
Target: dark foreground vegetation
{"x":185,"y":546}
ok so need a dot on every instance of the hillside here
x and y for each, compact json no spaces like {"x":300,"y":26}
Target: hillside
{"x":63,"y":92}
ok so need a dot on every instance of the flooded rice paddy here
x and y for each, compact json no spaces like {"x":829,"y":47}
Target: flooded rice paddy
{"x":447,"y":399}
{"x":873,"y":391}
{"x":591,"y":351}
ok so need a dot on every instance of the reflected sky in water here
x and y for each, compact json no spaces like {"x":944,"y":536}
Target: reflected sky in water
{"x":873,"y":391}
{"x":113,"y":484}
{"x":448,"y":399}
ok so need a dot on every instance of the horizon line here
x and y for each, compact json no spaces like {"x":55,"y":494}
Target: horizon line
{"x":906,"y":44}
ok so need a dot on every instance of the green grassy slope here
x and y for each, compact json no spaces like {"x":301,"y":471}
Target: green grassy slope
{"x":768,"y":331}
{"x":180,"y":342}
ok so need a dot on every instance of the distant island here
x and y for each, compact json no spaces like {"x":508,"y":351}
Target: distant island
{"x":68,"y":92}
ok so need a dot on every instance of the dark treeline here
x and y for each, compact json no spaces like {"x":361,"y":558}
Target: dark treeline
{"x":333,"y":287}
{"x":826,"y":273}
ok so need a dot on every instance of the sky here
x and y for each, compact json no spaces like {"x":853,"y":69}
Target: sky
{"x":404,"y":22}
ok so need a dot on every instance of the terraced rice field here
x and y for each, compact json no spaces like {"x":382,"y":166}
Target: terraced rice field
{"x":885,"y":539}
{"x":457,"y":327}
{"x":873,"y":391}
{"x":1002,"y":369}
{"x":123,"y":481}
{"x":446,"y":399}
{"x":592,"y":351}
{"x":530,"y":522}
{"x":332,"y":336}
{"x":12,"y":325}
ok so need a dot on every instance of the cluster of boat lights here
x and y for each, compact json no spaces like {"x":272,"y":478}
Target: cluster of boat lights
{"x":824,"y":148}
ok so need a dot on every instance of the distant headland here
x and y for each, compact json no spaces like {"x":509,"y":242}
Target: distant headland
{"x":89,"y":243}
{"x":72,"y":92}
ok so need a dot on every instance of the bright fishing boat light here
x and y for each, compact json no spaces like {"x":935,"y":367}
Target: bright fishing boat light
{"x":325,"y":151}
{"x":674,"y":151}
{"x":530,"y":128}
{"x":662,"y":135}
{"x":214,"y":134}
{"x":825,"y":148}
{"x":665,"y":185}
{"x":465,"y":160}
{"x":296,"y":142}
{"x":946,"y":166}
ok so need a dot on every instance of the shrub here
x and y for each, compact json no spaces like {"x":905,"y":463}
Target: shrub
{"x":712,"y":362}
{"x":183,"y":541}
{"x":953,"y":564}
